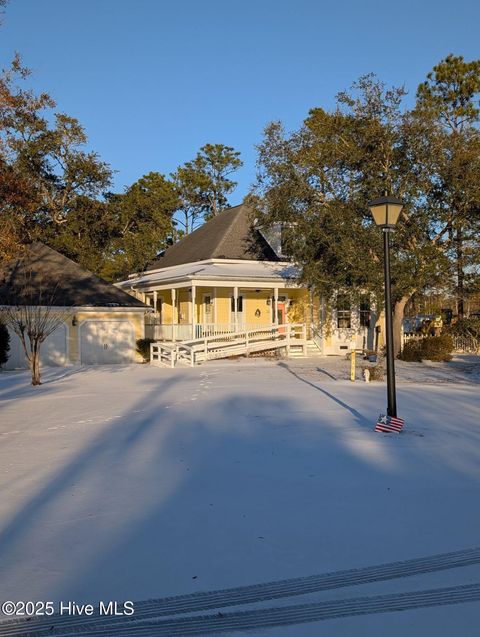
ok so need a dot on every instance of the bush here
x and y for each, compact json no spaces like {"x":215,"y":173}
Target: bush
{"x":412,"y":351}
{"x":437,"y":348}
{"x":434,"y":348}
{"x":4,"y":344}
{"x":377,"y":372}
{"x":143,"y":348}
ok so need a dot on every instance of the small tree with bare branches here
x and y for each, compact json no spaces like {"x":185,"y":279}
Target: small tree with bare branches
{"x":33,"y":312}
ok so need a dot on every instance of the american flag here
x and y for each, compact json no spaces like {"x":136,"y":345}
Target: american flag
{"x":389,"y":424}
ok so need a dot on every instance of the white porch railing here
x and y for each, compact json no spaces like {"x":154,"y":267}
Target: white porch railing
{"x":183,"y":331}
{"x":233,"y":343}
{"x":170,"y":332}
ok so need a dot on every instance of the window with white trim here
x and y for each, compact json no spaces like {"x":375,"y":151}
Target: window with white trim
{"x":344,"y":312}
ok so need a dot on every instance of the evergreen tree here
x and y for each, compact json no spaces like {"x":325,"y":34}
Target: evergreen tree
{"x":203,"y":184}
{"x":448,"y":105}
{"x":142,"y":225}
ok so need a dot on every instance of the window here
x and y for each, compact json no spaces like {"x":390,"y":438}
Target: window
{"x":239,"y":304}
{"x":159,"y":308}
{"x":364,"y":312}
{"x":207,"y":306}
{"x":344,"y":312}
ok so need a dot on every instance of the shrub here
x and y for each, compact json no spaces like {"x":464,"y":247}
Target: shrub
{"x":434,"y":348}
{"x":143,"y":348}
{"x":412,"y":351}
{"x":377,"y":372}
{"x":4,"y":344}
{"x":437,"y":348}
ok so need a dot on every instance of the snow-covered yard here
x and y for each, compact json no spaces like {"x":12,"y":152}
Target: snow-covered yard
{"x":129,"y":483}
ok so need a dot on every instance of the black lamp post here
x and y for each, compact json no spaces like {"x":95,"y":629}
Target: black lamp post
{"x":385,"y":212}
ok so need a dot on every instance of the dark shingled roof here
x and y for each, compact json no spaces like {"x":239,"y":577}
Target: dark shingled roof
{"x":230,"y":235}
{"x":40,"y":272}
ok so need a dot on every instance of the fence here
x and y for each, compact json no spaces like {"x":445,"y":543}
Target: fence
{"x":461,"y":344}
{"x":466,"y":344}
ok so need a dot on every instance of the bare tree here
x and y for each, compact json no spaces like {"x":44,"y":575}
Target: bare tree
{"x":32,"y":312}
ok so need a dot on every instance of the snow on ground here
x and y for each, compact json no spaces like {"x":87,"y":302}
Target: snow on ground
{"x":133,"y":482}
{"x":463,"y":368}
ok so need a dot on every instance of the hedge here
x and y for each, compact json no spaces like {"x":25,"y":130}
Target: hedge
{"x":434,"y":348}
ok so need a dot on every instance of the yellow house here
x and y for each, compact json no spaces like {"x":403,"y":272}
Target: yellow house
{"x":230,"y":275}
{"x":102,"y":322}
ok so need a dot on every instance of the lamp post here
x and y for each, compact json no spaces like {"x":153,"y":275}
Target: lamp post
{"x":385,"y":212}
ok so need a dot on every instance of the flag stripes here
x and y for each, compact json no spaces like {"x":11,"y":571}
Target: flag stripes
{"x":389,"y":424}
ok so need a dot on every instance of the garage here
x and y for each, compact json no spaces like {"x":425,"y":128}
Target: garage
{"x":105,"y":342}
{"x":53,"y":350}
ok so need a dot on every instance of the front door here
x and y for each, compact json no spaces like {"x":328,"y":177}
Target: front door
{"x":207,"y":309}
{"x":281,"y":315}
{"x":240,"y":312}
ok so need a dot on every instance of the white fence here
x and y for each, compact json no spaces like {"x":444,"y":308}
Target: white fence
{"x":461,"y":344}
{"x":466,"y":344}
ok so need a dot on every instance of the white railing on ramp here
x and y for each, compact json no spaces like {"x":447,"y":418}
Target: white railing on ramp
{"x":242,"y":342}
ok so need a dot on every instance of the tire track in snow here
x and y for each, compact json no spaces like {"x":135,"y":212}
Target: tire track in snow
{"x":280,"y":616}
{"x":289,"y":615}
{"x":204,"y":601}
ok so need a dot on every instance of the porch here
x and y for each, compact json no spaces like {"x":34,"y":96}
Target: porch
{"x":199,"y":311}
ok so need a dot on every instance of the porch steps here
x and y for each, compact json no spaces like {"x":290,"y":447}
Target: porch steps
{"x":312,"y":348}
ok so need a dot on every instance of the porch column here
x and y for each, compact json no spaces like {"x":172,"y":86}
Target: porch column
{"x":275,"y":305}
{"x":235,"y":308}
{"x":193,"y":309}
{"x":311,"y":324}
{"x":174,"y":298}
{"x":214,"y":314}
{"x":155,"y":294}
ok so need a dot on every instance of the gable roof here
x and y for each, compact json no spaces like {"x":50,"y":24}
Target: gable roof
{"x":229,"y":235}
{"x":40,"y":271}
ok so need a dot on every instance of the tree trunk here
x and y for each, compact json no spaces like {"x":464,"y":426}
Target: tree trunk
{"x":460,"y":273}
{"x":398,"y":315}
{"x":35,"y":364}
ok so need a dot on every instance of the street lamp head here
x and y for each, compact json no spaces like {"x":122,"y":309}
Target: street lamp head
{"x":385,"y":211}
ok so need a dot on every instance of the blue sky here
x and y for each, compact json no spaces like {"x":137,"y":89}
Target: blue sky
{"x":152,"y":81}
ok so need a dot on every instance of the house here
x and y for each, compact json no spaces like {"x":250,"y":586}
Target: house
{"x":105,"y":321}
{"x":230,"y":275}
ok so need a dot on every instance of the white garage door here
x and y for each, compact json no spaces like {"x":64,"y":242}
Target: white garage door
{"x":106,"y":342}
{"x":53,"y":351}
